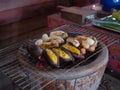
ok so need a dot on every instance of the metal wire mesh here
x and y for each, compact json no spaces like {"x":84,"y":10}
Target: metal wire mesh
{"x":25,"y":78}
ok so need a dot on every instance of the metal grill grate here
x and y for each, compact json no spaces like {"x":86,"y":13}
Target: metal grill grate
{"x":25,"y":79}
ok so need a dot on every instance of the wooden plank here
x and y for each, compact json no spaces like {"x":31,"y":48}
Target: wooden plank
{"x":15,"y":29}
{"x":27,"y":11}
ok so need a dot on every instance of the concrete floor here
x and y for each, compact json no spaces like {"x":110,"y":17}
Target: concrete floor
{"x":109,"y":83}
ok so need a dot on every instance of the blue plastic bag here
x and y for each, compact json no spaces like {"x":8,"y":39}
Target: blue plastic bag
{"x":108,"y":5}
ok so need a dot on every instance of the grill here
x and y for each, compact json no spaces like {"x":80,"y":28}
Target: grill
{"x":75,"y":78}
{"x":26,"y":58}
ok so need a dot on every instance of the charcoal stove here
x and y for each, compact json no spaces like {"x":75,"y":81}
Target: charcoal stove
{"x":78,"y":77}
{"x":70,"y":78}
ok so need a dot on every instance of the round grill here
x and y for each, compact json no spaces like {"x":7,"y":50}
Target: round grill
{"x":70,"y":70}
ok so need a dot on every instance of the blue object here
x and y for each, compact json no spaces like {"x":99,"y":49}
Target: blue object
{"x":107,"y":5}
